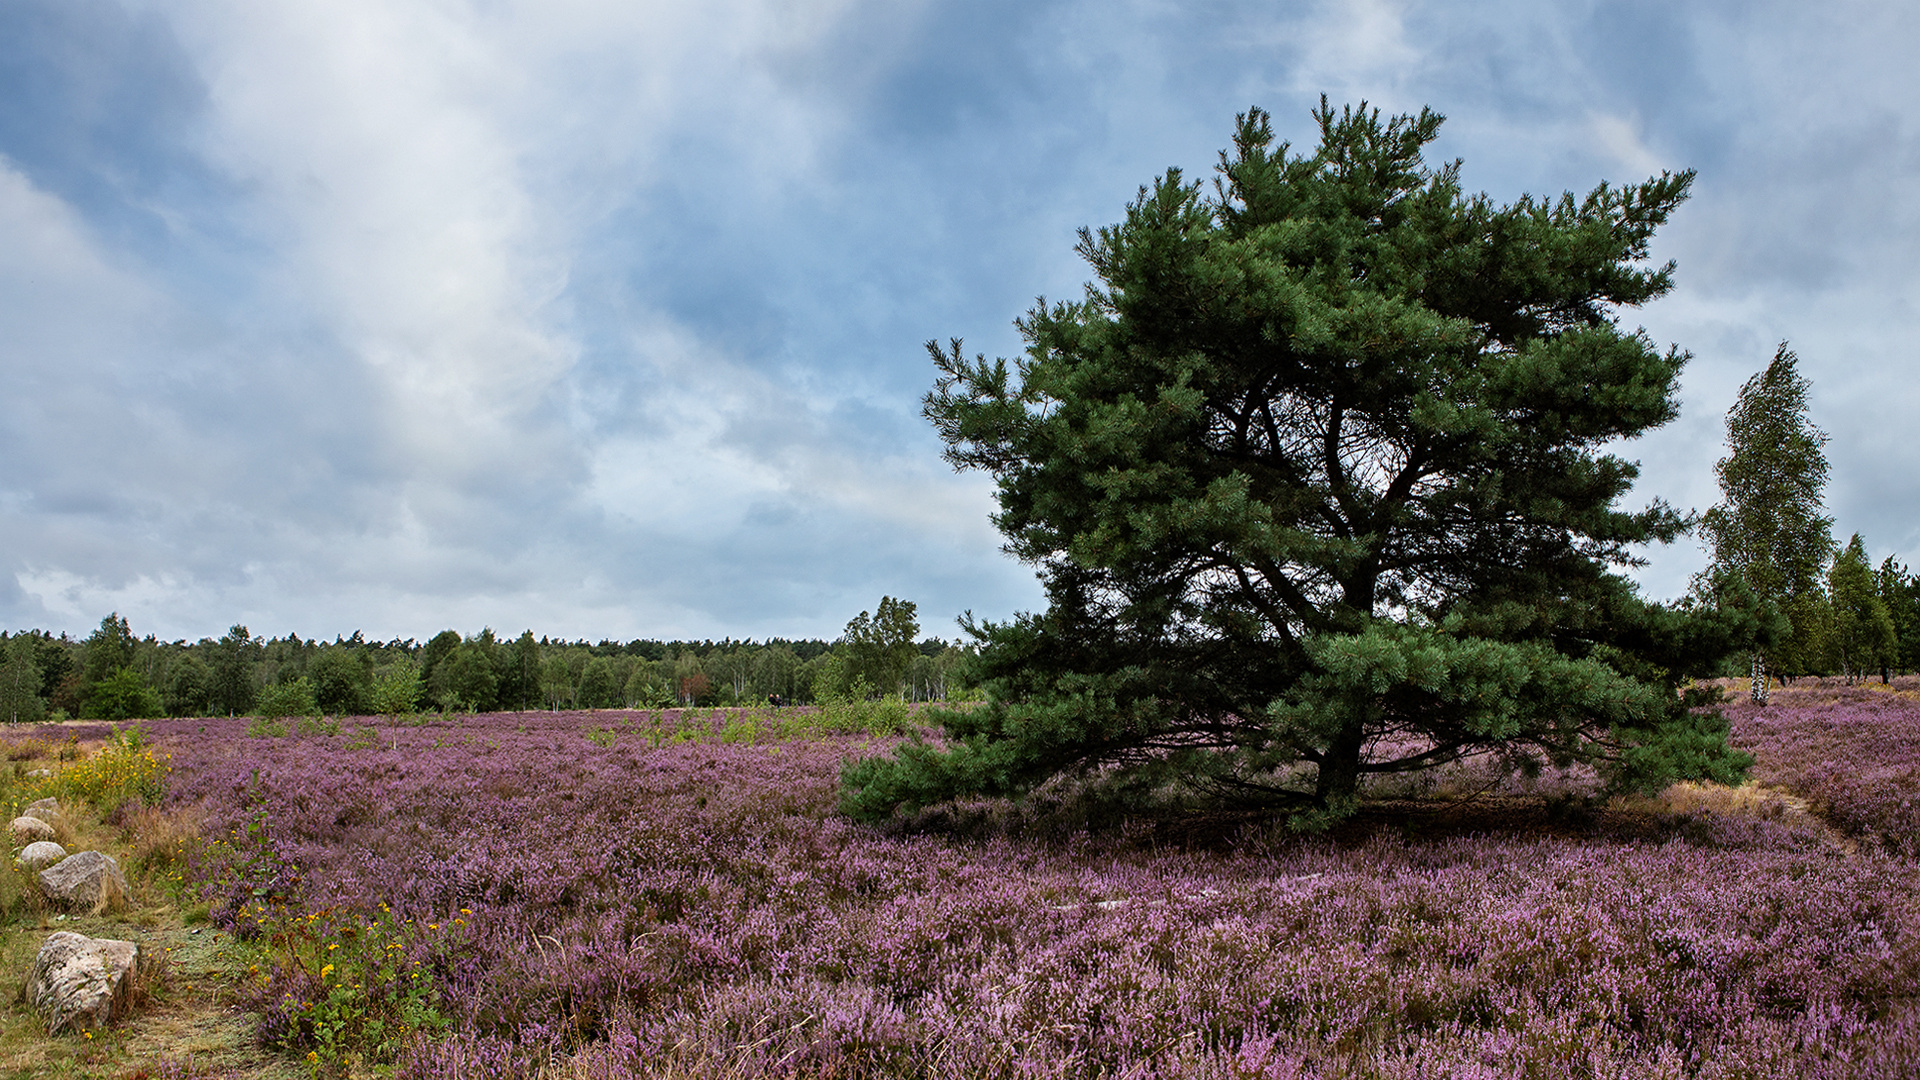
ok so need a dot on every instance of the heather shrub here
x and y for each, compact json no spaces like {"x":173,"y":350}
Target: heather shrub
{"x":1853,"y":752}
{"x":677,"y":897}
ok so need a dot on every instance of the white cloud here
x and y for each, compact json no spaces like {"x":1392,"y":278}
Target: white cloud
{"x":1620,"y":138}
{"x":1355,"y":49}
{"x":601,"y":315}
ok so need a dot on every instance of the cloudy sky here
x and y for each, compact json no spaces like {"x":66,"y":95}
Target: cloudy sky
{"x":603,"y":317}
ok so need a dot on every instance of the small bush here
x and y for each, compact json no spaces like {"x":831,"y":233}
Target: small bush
{"x":292,"y":698}
{"x":124,"y":695}
{"x":397,"y":689}
{"x":348,"y":988}
{"x":124,"y":770}
{"x":316,"y":725}
{"x":855,"y":716}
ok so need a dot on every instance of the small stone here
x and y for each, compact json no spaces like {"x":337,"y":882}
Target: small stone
{"x":27,"y":830}
{"x":37,"y":773}
{"x":90,"y":879}
{"x":39,"y":855}
{"x":82,"y":983}
{"x":47,"y":810}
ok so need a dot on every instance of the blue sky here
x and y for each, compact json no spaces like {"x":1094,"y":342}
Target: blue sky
{"x":605,"y":318}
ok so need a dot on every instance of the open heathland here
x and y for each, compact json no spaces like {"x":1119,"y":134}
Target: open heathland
{"x":675,"y":895}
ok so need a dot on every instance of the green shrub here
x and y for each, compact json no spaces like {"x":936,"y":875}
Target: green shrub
{"x":127,"y":768}
{"x":292,"y":698}
{"x":397,"y":689}
{"x":123,"y":695}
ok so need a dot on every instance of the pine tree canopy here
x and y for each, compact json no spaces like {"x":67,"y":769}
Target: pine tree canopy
{"x":1316,"y":477}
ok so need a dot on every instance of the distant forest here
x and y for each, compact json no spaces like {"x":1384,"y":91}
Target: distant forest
{"x":114,"y":675}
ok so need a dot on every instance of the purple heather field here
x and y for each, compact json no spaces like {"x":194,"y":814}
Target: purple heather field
{"x":592,"y":899}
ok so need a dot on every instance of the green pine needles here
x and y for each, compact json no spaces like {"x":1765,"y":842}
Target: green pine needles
{"x":1316,"y":478}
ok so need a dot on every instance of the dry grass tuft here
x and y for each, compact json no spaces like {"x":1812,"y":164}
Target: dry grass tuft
{"x":158,"y":839}
{"x":1747,"y":800}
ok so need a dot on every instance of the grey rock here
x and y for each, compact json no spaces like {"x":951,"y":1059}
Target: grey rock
{"x":26,"y":830}
{"x":47,"y":810}
{"x":90,"y":880}
{"x":39,"y":855}
{"x":82,"y":983}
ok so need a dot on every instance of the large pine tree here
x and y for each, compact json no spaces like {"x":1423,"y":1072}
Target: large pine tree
{"x":1316,"y":478}
{"x":1769,"y":533}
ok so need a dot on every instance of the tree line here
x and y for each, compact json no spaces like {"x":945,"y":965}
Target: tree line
{"x":113,"y":675}
{"x":1830,"y":610}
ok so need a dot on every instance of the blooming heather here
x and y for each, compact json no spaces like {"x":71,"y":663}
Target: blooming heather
{"x":1853,"y":751}
{"x":627,"y":905}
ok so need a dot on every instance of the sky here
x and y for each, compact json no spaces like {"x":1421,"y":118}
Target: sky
{"x":604,"y":318}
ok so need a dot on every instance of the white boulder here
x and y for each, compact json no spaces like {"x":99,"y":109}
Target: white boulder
{"x":27,"y":830}
{"x":82,"y":983}
{"x":39,"y":855}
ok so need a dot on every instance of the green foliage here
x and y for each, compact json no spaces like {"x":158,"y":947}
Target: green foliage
{"x":316,"y":725}
{"x":291,"y":698}
{"x":342,"y":682}
{"x":880,"y":647}
{"x":468,"y":678}
{"x":55,"y":660}
{"x":1863,"y":635}
{"x":108,"y":649}
{"x":189,"y":686}
{"x":20,"y":701}
{"x":646,"y":690}
{"x":397,"y":689}
{"x":123,"y":695}
{"x":858,"y":710}
{"x":1316,"y":477}
{"x":437,"y":651}
{"x":560,"y":678}
{"x":519,"y":675}
{"x":1769,"y":532}
{"x":599,"y":689}
{"x":233,"y":688}
{"x":1900,"y":592}
{"x":874,"y":655}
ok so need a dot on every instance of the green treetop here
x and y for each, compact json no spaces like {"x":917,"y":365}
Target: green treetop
{"x":1315,"y":478}
{"x":1769,"y":534}
{"x":1863,"y":635}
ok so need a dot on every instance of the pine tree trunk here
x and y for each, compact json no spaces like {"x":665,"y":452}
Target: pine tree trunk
{"x":1339,"y":775}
